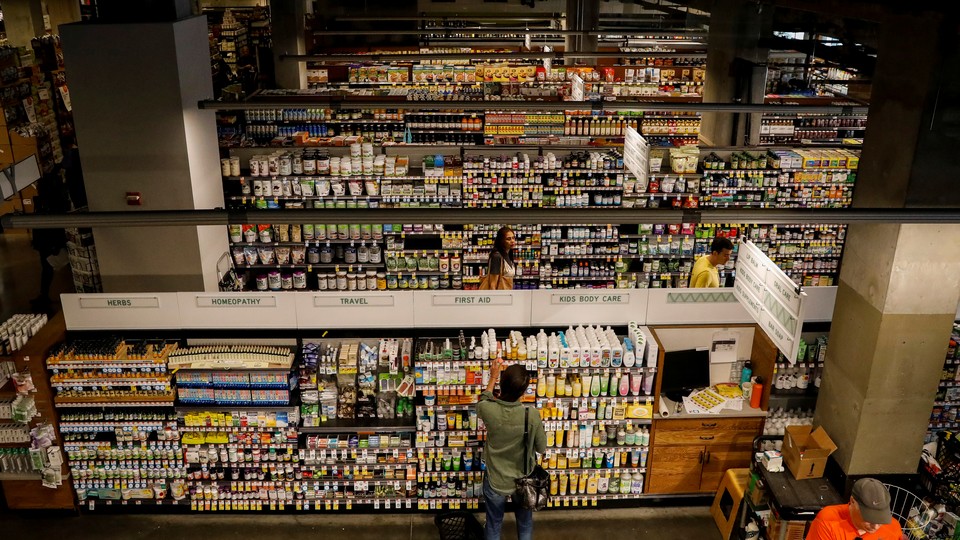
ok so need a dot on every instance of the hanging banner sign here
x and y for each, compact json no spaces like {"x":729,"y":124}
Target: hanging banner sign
{"x":576,"y":89}
{"x":771,"y":298}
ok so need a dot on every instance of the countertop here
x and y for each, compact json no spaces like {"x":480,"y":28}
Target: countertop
{"x":746,"y":412}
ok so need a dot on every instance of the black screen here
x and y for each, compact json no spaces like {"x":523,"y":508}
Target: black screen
{"x":684,"y":371}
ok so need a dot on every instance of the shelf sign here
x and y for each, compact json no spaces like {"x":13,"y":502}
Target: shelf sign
{"x":236,"y":301}
{"x":564,"y":299}
{"x":120,"y":302}
{"x":576,"y":88}
{"x":352,"y":301}
{"x":771,"y":298}
{"x":473,"y":300}
{"x":636,"y":155}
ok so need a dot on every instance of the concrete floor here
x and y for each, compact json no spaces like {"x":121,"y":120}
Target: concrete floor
{"x":682,"y":523}
{"x":20,"y":282}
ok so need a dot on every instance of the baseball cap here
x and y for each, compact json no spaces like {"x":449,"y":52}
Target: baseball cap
{"x":874,"y":500}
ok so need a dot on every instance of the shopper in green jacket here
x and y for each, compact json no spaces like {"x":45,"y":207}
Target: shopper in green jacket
{"x":503,"y":453}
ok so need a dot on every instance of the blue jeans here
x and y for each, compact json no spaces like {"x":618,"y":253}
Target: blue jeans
{"x":496,"y":505}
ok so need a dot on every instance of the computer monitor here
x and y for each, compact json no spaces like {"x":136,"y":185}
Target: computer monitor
{"x":683,"y":372}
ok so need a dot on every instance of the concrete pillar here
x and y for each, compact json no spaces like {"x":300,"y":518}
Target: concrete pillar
{"x":899,"y":284}
{"x":62,"y":12}
{"x":896,"y":302}
{"x":583,"y":16}
{"x":289,"y":37}
{"x":157,"y":143}
{"x":916,"y":167}
{"x":23,"y":21}
{"x":733,"y":76}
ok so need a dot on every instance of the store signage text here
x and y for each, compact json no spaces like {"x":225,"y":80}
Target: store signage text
{"x":230,"y":301}
{"x":482,"y":300}
{"x":589,"y":299}
{"x":352,"y":301}
{"x":99,"y":303}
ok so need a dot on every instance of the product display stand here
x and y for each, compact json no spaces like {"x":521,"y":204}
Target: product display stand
{"x":31,"y":494}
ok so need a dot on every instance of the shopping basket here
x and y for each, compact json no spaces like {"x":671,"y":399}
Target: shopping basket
{"x":910,"y":511}
{"x":458,"y":525}
{"x":228,"y":278}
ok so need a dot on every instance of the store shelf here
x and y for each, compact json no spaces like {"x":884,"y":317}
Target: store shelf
{"x":580,"y":257}
{"x":112,"y":382}
{"x":296,"y":122}
{"x":590,"y":369}
{"x":583,"y":279}
{"x":631,"y":470}
{"x":182,"y":407}
{"x":549,"y":241}
{"x":116,"y":401}
{"x":380,"y":425}
{"x":582,"y":188}
{"x":107,"y":364}
{"x":593,"y":422}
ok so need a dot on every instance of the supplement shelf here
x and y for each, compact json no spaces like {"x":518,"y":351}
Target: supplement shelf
{"x":583,"y":188}
{"x":600,"y":470}
{"x":595,"y":369}
{"x":594,"y":422}
{"x":110,"y":382}
{"x":387,"y":425}
{"x":609,"y":258}
{"x":130,"y":364}
{"x":549,"y":241}
{"x":116,"y":401}
{"x":91,"y":504}
{"x":188,"y":408}
{"x":294,"y":198}
{"x":307,"y":243}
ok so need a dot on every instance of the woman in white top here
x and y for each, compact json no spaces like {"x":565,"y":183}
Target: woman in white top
{"x":501,"y":258}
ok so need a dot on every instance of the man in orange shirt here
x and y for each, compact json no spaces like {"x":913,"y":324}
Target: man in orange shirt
{"x":866,"y":517}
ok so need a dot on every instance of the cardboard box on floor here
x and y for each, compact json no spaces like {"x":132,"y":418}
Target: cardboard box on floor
{"x":805,"y":450}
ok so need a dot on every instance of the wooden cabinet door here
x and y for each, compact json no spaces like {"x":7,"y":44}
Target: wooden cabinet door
{"x":675,"y":469}
{"x":717,"y":461}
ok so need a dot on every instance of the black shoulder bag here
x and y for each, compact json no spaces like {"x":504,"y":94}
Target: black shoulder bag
{"x":533,"y":490}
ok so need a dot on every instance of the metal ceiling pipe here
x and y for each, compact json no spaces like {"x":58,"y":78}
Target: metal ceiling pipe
{"x":336,"y":102}
{"x":452,"y":216}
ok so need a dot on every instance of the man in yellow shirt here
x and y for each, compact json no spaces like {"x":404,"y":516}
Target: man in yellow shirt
{"x":705,"y":274}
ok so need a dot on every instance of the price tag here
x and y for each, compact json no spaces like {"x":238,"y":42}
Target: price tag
{"x":326,"y":505}
{"x":408,"y":504}
{"x":273,"y":506}
{"x":300,"y":505}
{"x":376,"y":504}
{"x":593,"y":501}
{"x":566,"y":502}
{"x":336,"y":505}
{"x":386,"y":505}
{"x":433,"y":504}
{"x":349,"y":505}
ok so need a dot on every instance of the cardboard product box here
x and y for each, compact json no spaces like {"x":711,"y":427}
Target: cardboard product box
{"x":805,"y":451}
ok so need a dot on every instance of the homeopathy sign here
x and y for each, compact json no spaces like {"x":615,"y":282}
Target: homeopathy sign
{"x":771,"y":298}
